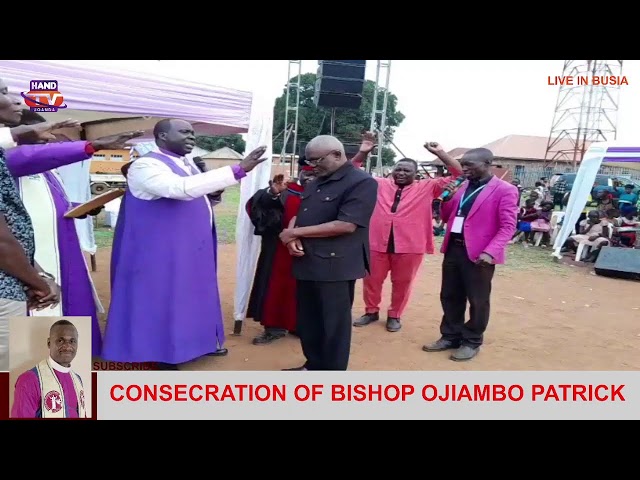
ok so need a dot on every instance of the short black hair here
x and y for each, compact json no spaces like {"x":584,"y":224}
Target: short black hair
{"x":163,"y":126}
{"x":61,"y":323}
{"x":410,"y":160}
{"x":483,"y":154}
{"x":629,"y":185}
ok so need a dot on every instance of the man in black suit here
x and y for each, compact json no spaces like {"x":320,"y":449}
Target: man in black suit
{"x":330,"y":245}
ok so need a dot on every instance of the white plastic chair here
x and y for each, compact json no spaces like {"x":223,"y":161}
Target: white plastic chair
{"x":584,"y":249}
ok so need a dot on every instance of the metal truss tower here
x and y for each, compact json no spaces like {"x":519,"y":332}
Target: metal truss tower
{"x":379,"y":115}
{"x":585,"y":113}
{"x":291,"y":110}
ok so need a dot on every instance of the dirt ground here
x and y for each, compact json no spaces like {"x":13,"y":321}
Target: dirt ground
{"x":565,"y":319}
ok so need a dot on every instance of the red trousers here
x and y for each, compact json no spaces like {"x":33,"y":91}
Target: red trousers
{"x":403,"y":267}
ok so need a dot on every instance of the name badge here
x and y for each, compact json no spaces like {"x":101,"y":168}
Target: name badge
{"x":456,"y":226}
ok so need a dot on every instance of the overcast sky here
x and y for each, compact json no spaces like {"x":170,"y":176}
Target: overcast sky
{"x":457,"y":103}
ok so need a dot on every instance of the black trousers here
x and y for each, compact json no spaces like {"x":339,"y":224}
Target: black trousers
{"x":557,"y":200}
{"x":463,"y":281}
{"x":582,"y":217}
{"x":324,"y":323}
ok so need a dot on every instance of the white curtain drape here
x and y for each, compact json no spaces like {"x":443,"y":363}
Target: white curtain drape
{"x":609,"y":153}
{"x":247,"y":244}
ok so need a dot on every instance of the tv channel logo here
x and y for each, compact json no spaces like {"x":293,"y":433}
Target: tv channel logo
{"x":44,"y":96}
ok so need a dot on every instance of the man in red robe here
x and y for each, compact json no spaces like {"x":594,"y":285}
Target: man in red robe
{"x":273,"y":300}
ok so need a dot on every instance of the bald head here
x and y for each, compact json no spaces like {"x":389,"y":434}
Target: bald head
{"x":325,"y":142}
{"x":326,"y":154}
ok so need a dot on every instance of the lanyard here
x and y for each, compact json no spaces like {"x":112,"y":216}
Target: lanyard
{"x":468,"y":197}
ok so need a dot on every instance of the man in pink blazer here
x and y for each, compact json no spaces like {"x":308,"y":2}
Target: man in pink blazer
{"x":481,"y":219}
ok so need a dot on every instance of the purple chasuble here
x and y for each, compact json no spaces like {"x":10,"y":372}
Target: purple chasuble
{"x":165,"y":304}
{"x":27,"y":398}
{"x":77,"y":296}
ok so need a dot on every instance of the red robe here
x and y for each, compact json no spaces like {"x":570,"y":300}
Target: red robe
{"x":273,"y":296}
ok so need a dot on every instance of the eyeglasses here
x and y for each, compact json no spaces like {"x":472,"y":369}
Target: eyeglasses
{"x":315,"y":161}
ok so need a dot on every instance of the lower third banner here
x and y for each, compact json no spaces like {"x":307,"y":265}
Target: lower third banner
{"x":355,"y":395}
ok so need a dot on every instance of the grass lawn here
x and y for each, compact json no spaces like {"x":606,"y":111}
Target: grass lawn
{"x":226,"y":213}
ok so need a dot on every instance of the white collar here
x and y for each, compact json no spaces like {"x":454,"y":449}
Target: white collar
{"x":171,"y":155}
{"x":56,"y":366}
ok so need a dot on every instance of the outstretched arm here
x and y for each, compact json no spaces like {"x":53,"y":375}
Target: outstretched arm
{"x":32,"y":159}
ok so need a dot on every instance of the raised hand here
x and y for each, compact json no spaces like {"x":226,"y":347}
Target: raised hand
{"x":279,"y":183}
{"x":434,"y":147}
{"x":369,"y":141}
{"x":254,"y":159}
{"x":40,"y":132}
{"x":115,"y":142}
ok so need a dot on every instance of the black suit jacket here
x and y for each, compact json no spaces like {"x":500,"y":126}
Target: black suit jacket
{"x":349,"y":195}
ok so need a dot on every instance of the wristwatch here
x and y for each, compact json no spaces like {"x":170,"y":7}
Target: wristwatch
{"x":46,"y":275}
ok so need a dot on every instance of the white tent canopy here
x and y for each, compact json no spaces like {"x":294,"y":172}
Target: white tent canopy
{"x":98,"y":93}
{"x":247,"y":244}
{"x":611,"y":153}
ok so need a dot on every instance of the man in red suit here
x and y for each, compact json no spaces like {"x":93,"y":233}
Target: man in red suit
{"x":481,"y":220}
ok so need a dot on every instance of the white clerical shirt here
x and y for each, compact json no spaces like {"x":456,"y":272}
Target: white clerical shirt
{"x":150,"y":179}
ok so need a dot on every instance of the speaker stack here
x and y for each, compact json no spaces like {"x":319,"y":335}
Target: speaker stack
{"x":340,"y":83}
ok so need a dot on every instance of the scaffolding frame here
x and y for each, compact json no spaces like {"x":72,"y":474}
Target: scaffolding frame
{"x":293,"y":93}
{"x":585,"y":113}
{"x":379,"y":115}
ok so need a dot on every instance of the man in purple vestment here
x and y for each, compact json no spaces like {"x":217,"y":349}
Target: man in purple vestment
{"x":26,"y":160}
{"x":51,"y":389}
{"x":165,"y":305}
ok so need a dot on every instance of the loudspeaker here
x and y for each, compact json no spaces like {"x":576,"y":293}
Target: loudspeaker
{"x":339,"y":83}
{"x":351,"y":150}
{"x":619,"y":263}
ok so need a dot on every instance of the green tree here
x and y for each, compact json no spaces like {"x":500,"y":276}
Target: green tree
{"x":349,"y":126}
{"x":234,"y":142}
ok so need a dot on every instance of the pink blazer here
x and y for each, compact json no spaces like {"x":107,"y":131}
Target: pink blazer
{"x":491,"y":223}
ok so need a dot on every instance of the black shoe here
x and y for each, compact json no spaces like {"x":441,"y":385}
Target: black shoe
{"x":393,"y":324}
{"x":366,"y":319}
{"x":464,"y":353}
{"x":440,"y":346}
{"x":267,"y":337}
{"x":296,"y":369}
{"x":221,"y":352}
